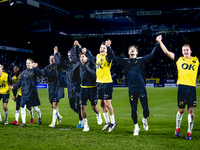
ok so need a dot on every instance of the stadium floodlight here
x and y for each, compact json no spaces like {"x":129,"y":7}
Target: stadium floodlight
{"x":12,"y":2}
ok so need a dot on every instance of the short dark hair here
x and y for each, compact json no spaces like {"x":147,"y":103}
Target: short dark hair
{"x":134,"y":47}
{"x":20,"y":68}
{"x":81,"y":53}
{"x":103,"y":43}
{"x":30,"y":60}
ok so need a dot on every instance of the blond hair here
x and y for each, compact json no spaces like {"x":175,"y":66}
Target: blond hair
{"x":1,"y":66}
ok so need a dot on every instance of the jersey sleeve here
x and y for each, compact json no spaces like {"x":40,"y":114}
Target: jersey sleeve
{"x":176,"y":57}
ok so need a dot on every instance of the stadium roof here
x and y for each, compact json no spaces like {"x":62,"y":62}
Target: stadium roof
{"x":101,"y":17}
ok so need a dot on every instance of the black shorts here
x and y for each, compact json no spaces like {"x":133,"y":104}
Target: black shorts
{"x":18,"y":101}
{"x":88,"y":93}
{"x":5,"y":97}
{"x":186,"y":95}
{"x":104,"y":91}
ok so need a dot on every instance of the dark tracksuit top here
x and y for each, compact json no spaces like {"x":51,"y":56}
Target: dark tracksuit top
{"x":135,"y":68}
{"x":87,"y":73}
{"x":73,"y":84}
{"x":55,"y":82}
{"x":27,"y":82}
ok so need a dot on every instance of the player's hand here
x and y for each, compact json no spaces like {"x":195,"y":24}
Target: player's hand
{"x":159,"y":38}
{"x":84,"y":50}
{"x":55,"y":49}
{"x":108,"y":43}
{"x":35,"y":65}
{"x":76,"y":43}
{"x":14,"y":98}
{"x":11,"y":87}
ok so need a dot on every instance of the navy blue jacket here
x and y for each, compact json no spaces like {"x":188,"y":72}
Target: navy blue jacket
{"x":55,"y":82}
{"x":135,"y":68}
{"x":73,"y":83}
{"x":87,"y":73}
{"x":27,"y":82}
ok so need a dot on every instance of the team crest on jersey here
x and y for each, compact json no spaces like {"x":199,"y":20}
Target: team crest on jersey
{"x":194,"y":61}
{"x":99,"y":65}
{"x":101,"y":59}
{"x":136,"y":61}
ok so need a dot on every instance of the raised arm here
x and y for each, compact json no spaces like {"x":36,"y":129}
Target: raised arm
{"x":117,"y":59}
{"x":75,"y":50}
{"x":168,"y":53}
{"x":57,"y":56}
{"x":149,"y":56}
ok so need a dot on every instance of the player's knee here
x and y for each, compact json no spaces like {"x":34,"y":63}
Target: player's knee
{"x":181,"y":111}
{"x":102,"y":103}
{"x":5,"y":108}
{"x":93,"y":107}
{"x":83,"y":107}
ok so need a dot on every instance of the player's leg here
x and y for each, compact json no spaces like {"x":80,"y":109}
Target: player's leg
{"x":84,"y":116}
{"x":112,"y":117}
{"x":190,"y":122}
{"x":23,"y":115}
{"x":182,"y":95}
{"x":105,"y":114}
{"x":133,"y":99}
{"x":31,"y":113}
{"x":191,"y":104}
{"x":84,"y":97}
{"x":100,"y":93}
{"x":107,"y":98}
{"x":134,"y":103}
{"x":93,"y":100}
{"x":39,"y":114}
{"x":144,"y":102}
{"x":54,"y":114}
{"x":5,"y":103}
{"x":77,"y":103}
{"x":17,"y":111}
{"x":1,"y":96}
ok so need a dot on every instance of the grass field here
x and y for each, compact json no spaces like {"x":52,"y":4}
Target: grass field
{"x":163,"y":109}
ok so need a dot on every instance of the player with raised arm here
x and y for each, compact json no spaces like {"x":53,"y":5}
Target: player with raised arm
{"x":5,"y":81}
{"x":187,"y":67}
{"x":17,"y":71}
{"x":135,"y":80}
{"x":55,"y":85}
{"x":105,"y":83}
{"x":86,"y":70}
{"x":73,"y":86}
{"x":27,"y":82}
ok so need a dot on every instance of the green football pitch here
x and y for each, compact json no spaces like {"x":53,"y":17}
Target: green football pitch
{"x":163,"y":109}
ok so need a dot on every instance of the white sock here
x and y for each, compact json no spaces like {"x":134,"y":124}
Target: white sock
{"x":6,"y":115}
{"x":112,"y":118}
{"x":106,"y":117}
{"x":178,"y":119}
{"x":31,"y":113}
{"x":37,"y":111}
{"x":17,"y":115}
{"x":23,"y":114}
{"x":57,"y":113}
{"x":190,"y":122}
{"x":54,"y":116}
{"x":85,"y":122}
{"x":136,"y":125}
{"x":80,"y":121}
